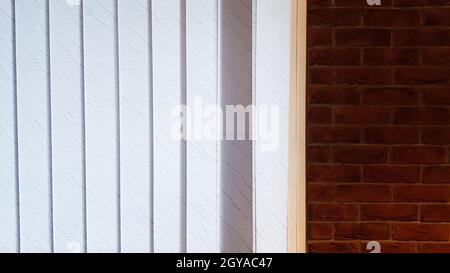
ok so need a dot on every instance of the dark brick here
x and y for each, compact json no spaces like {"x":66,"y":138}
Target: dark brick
{"x":333,"y":134}
{"x":422,"y":193}
{"x":385,"y":212}
{"x":392,"y":135}
{"x":362,"y":231}
{"x":318,"y":154}
{"x":319,"y":192}
{"x":363,"y":37}
{"x":359,"y":154}
{"x":420,"y":232}
{"x":333,"y":247}
{"x":436,"y":174}
{"x":391,"y":174}
{"x":419,"y":155}
{"x":362,"y":115}
{"x":392,"y":17}
{"x":436,"y":213}
{"x":363,"y":76}
{"x":391,"y":56}
{"x":320,"y":37}
{"x":335,"y":17}
{"x":332,"y":212}
{"x":320,"y":231}
{"x":334,"y":56}
{"x":334,"y":174}
{"x":390,"y":96}
{"x":422,"y":116}
{"x":333,"y":95}
{"x":436,"y":135}
{"x":363,"y":193}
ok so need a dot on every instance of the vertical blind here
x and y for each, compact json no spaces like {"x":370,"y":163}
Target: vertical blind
{"x":87,"y":91}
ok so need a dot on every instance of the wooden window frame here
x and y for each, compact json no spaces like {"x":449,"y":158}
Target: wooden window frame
{"x":297,"y":130}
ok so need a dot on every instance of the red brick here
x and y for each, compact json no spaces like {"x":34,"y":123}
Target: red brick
{"x":363,"y":76}
{"x":333,"y":95}
{"x":319,"y":115}
{"x":436,"y":95}
{"x":390,"y":96}
{"x":332,"y":56}
{"x":396,"y":247}
{"x":332,"y":212}
{"x":378,"y":81}
{"x":422,"y":193}
{"x":392,"y":17}
{"x":422,"y":116}
{"x":420,"y":232}
{"x":436,"y":213}
{"x":421,"y":3}
{"x":358,"y":3}
{"x":333,"y":247}
{"x":359,"y":154}
{"x":320,"y":36}
{"x":419,"y":155}
{"x":436,"y":135}
{"x":436,"y":174}
{"x":392,"y":135}
{"x":318,"y":3}
{"x":421,"y":37}
{"x":319,"y":193}
{"x":348,"y":231}
{"x":363,"y":193}
{"x":320,"y":231}
{"x":318,"y":154}
{"x":333,"y":135}
{"x":383,"y":212}
{"x":334,"y":17}
{"x":363,"y":37}
{"x":321,"y":76}
{"x":422,"y":75}
{"x":436,"y":17}
{"x":362,"y":115}
{"x":443,"y":248}
{"x":334,"y":174}
{"x":391,"y":56}
{"x":391,"y":174}
{"x":436,"y":56}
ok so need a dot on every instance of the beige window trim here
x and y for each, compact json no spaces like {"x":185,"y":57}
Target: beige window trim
{"x":297,"y":131}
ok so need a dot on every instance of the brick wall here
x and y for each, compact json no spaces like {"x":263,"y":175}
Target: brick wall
{"x":379,"y":125}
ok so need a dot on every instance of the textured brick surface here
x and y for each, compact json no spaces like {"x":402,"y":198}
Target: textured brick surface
{"x":378,"y":125}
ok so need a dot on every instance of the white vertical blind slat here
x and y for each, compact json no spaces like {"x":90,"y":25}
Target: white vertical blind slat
{"x":101,"y":112}
{"x":271,"y":154}
{"x":67,"y":123}
{"x":168,"y":92}
{"x":202,"y":149}
{"x":8,"y":202}
{"x":33,"y":125}
{"x":135,"y":131}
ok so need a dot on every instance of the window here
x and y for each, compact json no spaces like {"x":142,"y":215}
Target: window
{"x":150,"y":126}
